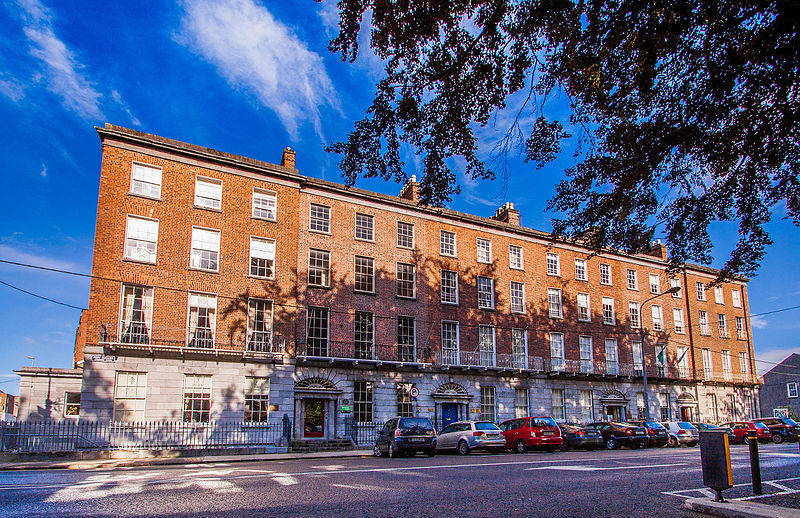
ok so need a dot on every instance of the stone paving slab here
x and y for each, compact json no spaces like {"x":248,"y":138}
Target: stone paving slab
{"x":740,"y":509}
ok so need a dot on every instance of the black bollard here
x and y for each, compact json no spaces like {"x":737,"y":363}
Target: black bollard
{"x":755,"y":465}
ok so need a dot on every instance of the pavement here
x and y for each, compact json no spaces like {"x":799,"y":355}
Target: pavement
{"x":740,"y":509}
{"x":174,"y":461}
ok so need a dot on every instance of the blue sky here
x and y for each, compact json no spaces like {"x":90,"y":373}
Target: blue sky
{"x":246,"y":77}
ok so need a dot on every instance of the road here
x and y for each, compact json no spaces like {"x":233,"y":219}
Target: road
{"x":652,"y":482}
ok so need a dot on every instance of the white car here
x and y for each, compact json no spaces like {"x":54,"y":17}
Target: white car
{"x":681,"y":432}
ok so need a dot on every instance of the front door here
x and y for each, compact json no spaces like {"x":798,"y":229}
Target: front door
{"x":314,"y":423}
{"x":449,"y":414}
{"x":616,"y":413}
{"x":687,"y":414}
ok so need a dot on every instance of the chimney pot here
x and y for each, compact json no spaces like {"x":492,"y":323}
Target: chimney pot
{"x":507,"y":214}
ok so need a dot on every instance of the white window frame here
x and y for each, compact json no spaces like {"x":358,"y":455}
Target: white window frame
{"x":657,"y":312}
{"x":632,"y":278}
{"x":581,"y":271}
{"x":556,"y":351}
{"x":701,"y":290}
{"x":740,"y":332}
{"x":267,"y":201}
{"x":200,"y":200}
{"x":612,"y":321}
{"x":518,"y":299}
{"x":655,"y":284}
{"x":727,"y":370}
{"x":313,"y":221}
{"x":450,"y":300}
{"x":736,"y":298}
{"x":326,"y":272}
{"x":708,"y":363}
{"x":484,"y":358}
{"x":581,"y":307}
{"x":634,"y":315}
{"x":138,"y":398}
{"x":516,"y":263}
{"x":638,"y":356}
{"x":202,"y":391}
{"x":450,"y":356}
{"x":679,"y":321}
{"x":516,"y":344}
{"x":555,"y":305}
{"x":195,"y":264}
{"x":558,"y":415}
{"x":413,"y":281}
{"x":260,"y":342}
{"x":719,"y":295}
{"x":404,"y":236}
{"x":676,"y":283}
{"x":744,"y":363}
{"x":136,"y":167}
{"x":263,"y":255}
{"x":605,"y":271}
{"x":612,"y":345}
{"x":370,"y":228}
{"x":553,"y":264}
{"x":442,"y":244}
{"x":148,"y":298}
{"x":705,"y":326}
{"x":521,"y":402}
{"x":256,"y":389}
{"x":490,"y":293}
{"x":201,"y":301}
{"x":483,"y":250}
{"x":356,"y":273}
{"x":791,"y":390}
{"x":586,"y":353}
{"x":128,"y":251}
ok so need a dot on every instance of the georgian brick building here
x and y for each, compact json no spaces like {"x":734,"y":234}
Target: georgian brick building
{"x":229,"y":288}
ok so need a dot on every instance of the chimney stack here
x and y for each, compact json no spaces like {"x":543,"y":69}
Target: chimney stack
{"x":657,"y":249}
{"x":507,"y":214}
{"x":287,"y":160}
{"x":410,"y":190}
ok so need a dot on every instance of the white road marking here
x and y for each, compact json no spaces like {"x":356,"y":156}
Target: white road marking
{"x":703,"y":490}
{"x":779,"y":486}
{"x":285,"y":480}
{"x":599,"y":468}
{"x":361,"y":486}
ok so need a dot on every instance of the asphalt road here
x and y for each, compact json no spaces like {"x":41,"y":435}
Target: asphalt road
{"x":652,"y":482}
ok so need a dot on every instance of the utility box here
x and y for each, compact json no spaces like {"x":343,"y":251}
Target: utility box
{"x":715,"y":454}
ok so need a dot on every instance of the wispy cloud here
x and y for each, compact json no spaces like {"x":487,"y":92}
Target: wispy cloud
{"x":13,"y":90}
{"x":43,"y":172}
{"x":118,"y":98}
{"x":758,"y":322}
{"x":766,"y":360}
{"x":12,"y":253}
{"x":62,"y":70}
{"x":259,"y":55}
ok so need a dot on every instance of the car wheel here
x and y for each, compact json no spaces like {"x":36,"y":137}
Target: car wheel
{"x":642,"y":445}
{"x":777,"y":438}
{"x":520,"y":446}
{"x":463,"y":448}
{"x":431,"y":453}
{"x":392,"y":453}
{"x":377,"y":451}
{"x":673,"y":442}
{"x":611,"y":443}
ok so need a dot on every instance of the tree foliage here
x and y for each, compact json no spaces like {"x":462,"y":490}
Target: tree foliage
{"x":685,"y":112}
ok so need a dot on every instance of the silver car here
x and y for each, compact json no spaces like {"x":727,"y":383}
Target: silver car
{"x":681,"y":432}
{"x":465,"y":436}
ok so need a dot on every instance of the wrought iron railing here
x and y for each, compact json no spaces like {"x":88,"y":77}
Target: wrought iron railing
{"x":139,"y":335}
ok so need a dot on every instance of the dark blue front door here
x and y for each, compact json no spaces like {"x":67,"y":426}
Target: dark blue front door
{"x":449,"y":413}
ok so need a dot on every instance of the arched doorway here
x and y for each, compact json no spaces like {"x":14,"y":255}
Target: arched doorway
{"x":315,"y":408}
{"x":452,"y":403}
{"x":615,"y":405}
{"x":687,"y":407}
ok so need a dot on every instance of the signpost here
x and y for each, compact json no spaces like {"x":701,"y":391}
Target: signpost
{"x":715,"y":457}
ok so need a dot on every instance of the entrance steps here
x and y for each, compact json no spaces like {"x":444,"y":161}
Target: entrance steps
{"x":309,"y":446}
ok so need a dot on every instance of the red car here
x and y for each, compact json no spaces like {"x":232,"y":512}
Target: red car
{"x":742,"y":428}
{"x":532,"y":432}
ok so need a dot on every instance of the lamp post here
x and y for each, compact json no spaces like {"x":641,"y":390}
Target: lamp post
{"x":674,"y":289}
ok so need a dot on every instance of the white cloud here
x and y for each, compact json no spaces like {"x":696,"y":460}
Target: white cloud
{"x":758,"y":322}
{"x":62,"y":71}
{"x":259,"y":55}
{"x":11,"y":253}
{"x":14,"y":90}
{"x":118,"y":98}
{"x":43,"y":172}
{"x":766,"y":360}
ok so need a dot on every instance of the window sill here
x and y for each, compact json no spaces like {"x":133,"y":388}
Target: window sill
{"x":585,"y":321}
{"x":318,"y":286}
{"x":485,"y":309}
{"x":406,"y":247}
{"x":328,"y":233}
{"x":405,"y":298}
{"x":210,"y":209}
{"x":448,"y":255}
{"x":554,"y":275}
{"x":582,"y":280}
{"x":513,"y":312}
{"x":454,"y":304}
{"x":609,"y":323}
{"x":363,"y":292}
{"x":251,"y":276}
{"x":486,"y":262}
{"x":271,"y":220}
{"x":195,"y":269}
{"x":138,"y":261}
{"x":606,"y":284}
{"x":521,"y":269}
{"x":364,"y":240}
{"x":144,"y":196}
{"x":632,"y":289}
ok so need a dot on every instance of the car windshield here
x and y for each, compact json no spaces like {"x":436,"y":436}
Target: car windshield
{"x":543,"y":421}
{"x":760,"y":425}
{"x":653,"y":424}
{"x":686,"y":426}
{"x":487,"y":426}
{"x":707,"y":426}
{"x":408,"y":423}
{"x":790,"y":422}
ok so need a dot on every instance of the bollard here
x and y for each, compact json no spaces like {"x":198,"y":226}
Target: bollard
{"x":715,"y":458}
{"x":755,"y":465}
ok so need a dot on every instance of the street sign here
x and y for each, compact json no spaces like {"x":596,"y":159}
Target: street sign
{"x":346,"y":409}
{"x":414,"y":392}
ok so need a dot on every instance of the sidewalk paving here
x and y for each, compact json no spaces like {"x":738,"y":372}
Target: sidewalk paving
{"x":740,"y":509}
{"x":170,"y":461}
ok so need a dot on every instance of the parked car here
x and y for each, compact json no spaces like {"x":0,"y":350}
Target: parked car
{"x":742,"y":428}
{"x":710,"y":427}
{"x":406,"y":436}
{"x":782,"y":428}
{"x":531,"y":432}
{"x":657,"y":435}
{"x":682,"y":432}
{"x":466,"y":436}
{"x":579,"y":437}
{"x":620,"y":434}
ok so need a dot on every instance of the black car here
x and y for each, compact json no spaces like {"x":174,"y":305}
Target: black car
{"x":782,"y":428}
{"x":578,"y":437}
{"x":406,"y":436}
{"x":657,"y":435}
{"x":710,"y":427}
{"x":620,"y":434}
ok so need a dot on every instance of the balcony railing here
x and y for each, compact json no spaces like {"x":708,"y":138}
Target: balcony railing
{"x":141,"y":336}
{"x":705,"y":329}
{"x":725,"y":376}
{"x":350,"y":351}
{"x":723,"y":332}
